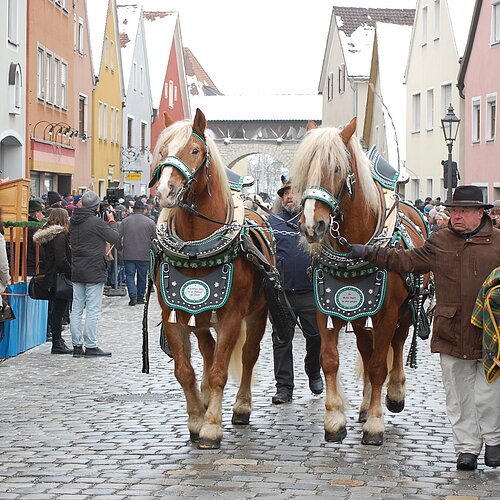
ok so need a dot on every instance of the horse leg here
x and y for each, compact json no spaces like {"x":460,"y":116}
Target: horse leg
{"x":206,"y":344}
{"x":384,"y":327}
{"x":335,"y":420}
{"x":178,"y":340}
{"x":364,"y":342}
{"x":211,"y":430}
{"x":396,"y":385}
{"x":255,"y":328}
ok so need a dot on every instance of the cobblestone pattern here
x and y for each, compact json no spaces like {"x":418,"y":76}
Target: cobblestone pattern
{"x":99,"y":428}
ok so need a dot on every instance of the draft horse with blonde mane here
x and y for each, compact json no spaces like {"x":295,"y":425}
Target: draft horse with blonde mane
{"x":204,"y":276}
{"x":342,"y":204}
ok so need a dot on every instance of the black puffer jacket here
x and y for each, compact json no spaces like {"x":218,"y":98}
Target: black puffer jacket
{"x":88,"y":237}
{"x":57,"y":253}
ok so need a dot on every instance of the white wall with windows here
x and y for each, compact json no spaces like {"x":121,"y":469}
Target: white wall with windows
{"x":13,"y":88}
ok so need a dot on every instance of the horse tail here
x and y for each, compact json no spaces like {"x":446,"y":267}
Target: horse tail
{"x":235,"y":368}
{"x":360,"y":372}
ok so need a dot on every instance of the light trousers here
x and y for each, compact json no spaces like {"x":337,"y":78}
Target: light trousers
{"x":86,"y":296}
{"x":472,"y":404}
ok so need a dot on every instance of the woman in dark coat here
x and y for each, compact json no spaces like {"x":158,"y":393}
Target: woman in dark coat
{"x":55,"y":242}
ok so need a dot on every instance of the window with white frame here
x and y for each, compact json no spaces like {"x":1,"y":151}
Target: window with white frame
{"x":495,"y":21}
{"x":15,"y":89}
{"x":330,"y":86}
{"x":12,"y":21}
{"x":170,"y":94}
{"x":112,"y":55}
{"x":106,"y":52}
{"x":80,"y":36}
{"x":491,"y":118}
{"x":134,"y":75}
{"x":130,"y":131}
{"x":429,"y":186}
{"x":445,"y":98}
{"x":476,"y":119}
{"x":56,"y":82}
{"x":416,"y":113}
{"x":341,"y":78}
{"x":105,"y":121}
{"x":437,"y":19}
{"x":117,"y":126}
{"x":424,"y":24}
{"x":144,"y":131}
{"x":113,"y":122}
{"x":39,"y":73}
{"x":64,"y":85}
{"x":101,"y":120}
{"x":430,"y":109}
{"x":48,"y":77}
{"x":82,"y":115}
{"x":415,"y":188}
{"x":141,"y":80}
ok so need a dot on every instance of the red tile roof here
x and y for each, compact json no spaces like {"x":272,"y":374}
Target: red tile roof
{"x":194,"y":68}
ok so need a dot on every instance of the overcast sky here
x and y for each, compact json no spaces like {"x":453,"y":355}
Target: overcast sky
{"x":260,"y":46}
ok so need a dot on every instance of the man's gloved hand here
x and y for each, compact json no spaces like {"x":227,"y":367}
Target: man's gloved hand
{"x":356,"y":251}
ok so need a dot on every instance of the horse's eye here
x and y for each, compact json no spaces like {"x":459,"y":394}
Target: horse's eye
{"x":196,"y":150}
{"x":337,"y":169}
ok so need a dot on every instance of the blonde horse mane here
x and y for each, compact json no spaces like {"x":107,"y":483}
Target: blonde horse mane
{"x":322,"y":160}
{"x":170,"y":141}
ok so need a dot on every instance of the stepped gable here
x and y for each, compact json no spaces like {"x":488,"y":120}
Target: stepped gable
{"x":351,"y":18}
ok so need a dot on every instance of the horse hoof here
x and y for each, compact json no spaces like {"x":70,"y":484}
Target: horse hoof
{"x":394,"y":406}
{"x":335,"y":437}
{"x":208,"y":444}
{"x":372,"y":439}
{"x":194,"y":437}
{"x":363,"y":416}
{"x":240,"y":419}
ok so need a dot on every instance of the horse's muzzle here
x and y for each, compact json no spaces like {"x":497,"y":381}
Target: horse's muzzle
{"x":315,"y":233}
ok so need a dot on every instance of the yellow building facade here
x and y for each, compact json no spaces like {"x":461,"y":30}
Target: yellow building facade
{"x":107,"y":103}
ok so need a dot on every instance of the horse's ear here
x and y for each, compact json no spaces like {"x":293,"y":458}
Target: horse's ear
{"x":167,"y":119}
{"x":311,"y":125}
{"x":348,"y":131}
{"x":199,"y":123}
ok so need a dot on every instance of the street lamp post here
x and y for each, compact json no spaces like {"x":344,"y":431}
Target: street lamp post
{"x":450,"y":123}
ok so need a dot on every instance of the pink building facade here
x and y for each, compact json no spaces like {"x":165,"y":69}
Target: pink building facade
{"x":479,"y":86}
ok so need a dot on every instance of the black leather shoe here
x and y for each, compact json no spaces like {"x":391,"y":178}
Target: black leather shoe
{"x":78,"y":351}
{"x":60,"y":347}
{"x":316,"y":385}
{"x":281,"y":397}
{"x":132,"y":301}
{"x":90,"y":352}
{"x":492,"y":456}
{"x":467,"y":461}
{"x":140,"y":300}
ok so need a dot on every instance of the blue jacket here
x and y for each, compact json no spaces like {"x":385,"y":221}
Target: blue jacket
{"x":292,"y":260}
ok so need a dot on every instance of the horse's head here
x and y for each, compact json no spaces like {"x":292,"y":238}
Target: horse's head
{"x":183,"y":160}
{"x":322,"y":173}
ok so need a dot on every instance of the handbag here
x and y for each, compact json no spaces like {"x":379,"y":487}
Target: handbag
{"x":6,"y":312}
{"x":37,"y":289}
{"x":63,"y":288}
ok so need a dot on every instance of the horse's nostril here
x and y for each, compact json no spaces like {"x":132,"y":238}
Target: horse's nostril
{"x":320,"y":228}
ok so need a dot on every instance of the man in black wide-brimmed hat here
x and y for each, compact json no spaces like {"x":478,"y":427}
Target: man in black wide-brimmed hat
{"x":461,"y":257}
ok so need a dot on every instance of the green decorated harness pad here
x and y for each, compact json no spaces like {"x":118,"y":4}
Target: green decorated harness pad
{"x":349,"y":301}
{"x":195,"y":295}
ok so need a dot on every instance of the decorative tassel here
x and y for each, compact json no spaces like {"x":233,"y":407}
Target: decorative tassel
{"x":172,"y":317}
{"x":192,"y":321}
{"x":369,"y":322}
{"x":213,"y":317}
{"x":329,"y":323}
{"x":349,"y":328}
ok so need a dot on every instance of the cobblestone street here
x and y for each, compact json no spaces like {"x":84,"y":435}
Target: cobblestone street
{"x":99,"y":428}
